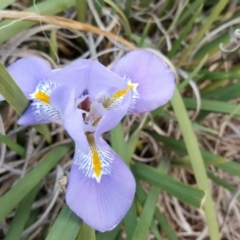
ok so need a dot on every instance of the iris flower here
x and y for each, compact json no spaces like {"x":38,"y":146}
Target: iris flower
{"x":89,"y":100}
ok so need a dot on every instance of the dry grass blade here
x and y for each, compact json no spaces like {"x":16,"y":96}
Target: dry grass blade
{"x":63,"y":22}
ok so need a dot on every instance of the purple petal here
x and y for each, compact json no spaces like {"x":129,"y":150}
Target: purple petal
{"x":155,"y":79}
{"x":39,"y":113}
{"x":113,"y":116}
{"x":27,"y":72}
{"x":102,"y":205}
{"x":63,"y":100}
{"x":88,"y":75}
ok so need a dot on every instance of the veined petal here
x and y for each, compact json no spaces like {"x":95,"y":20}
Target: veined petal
{"x":27,"y":72}
{"x":63,"y":100}
{"x":39,"y":113}
{"x":151,"y":80}
{"x":40,"y":110}
{"x":101,"y":204}
{"x":115,"y":112}
{"x":88,"y":75}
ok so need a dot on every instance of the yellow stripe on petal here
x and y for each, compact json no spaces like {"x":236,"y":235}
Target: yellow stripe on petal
{"x":118,"y":96}
{"x":42,"y":97}
{"x":97,"y":161}
{"x":96,"y":158}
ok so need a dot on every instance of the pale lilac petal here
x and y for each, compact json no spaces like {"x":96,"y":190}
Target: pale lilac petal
{"x":155,"y":79}
{"x":1,"y":98}
{"x":88,"y":76}
{"x":63,"y":100}
{"x":27,"y":72}
{"x":113,"y":116}
{"x":101,"y":205}
{"x":39,"y":113}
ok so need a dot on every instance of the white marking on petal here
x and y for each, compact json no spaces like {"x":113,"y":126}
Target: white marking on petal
{"x":45,"y":87}
{"x":42,"y":111}
{"x":85,"y":162}
{"x":135,"y":95}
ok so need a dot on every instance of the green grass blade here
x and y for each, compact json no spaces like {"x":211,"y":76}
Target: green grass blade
{"x":158,"y":215}
{"x":15,"y":97}
{"x":11,"y":92}
{"x":122,"y":15}
{"x":66,"y":226}
{"x":178,"y":42}
{"x":145,"y":220}
{"x":191,"y":10}
{"x":54,"y":45}
{"x":125,"y":151}
{"x":81,"y":6}
{"x":221,"y":182}
{"x":5,"y":3}
{"x":181,"y":191}
{"x":86,"y":232}
{"x":26,"y":184}
{"x":197,"y":162}
{"x":145,"y":32}
{"x":185,"y":82}
{"x":12,"y":145}
{"x":10,"y":28}
{"x":165,"y":225}
{"x":118,"y":143}
{"x":128,"y":6}
{"x":213,"y":106}
{"x":21,"y":216}
{"x":130,"y":222}
{"x":111,"y":235}
{"x":209,"y":21}
{"x":155,"y":231}
{"x":210,"y":159}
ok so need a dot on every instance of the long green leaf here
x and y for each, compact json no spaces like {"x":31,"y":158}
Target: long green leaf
{"x":86,"y":232}
{"x":66,"y":226}
{"x":11,"y":28}
{"x":197,"y":162}
{"x":158,"y":215}
{"x":12,"y":145}
{"x":213,"y":106}
{"x":21,"y":216}
{"x":125,"y":151}
{"x":9,"y":201}
{"x":146,"y":218}
{"x":111,"y":235}
{"x":228,"y":166}
{"x":5,"y":3}
{"x":15,"y":97}
{"x":181,"y":191}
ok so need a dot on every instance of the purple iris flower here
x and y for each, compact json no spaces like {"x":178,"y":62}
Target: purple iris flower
{"x":88,"y":100}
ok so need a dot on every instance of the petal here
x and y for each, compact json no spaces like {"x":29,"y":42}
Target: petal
{"x":40,"y":110}
{"x":63,"y":100}
{"x":39,"y":113}
{"x":153,"y":81}
{"x":114,"y":115}
{"x":88,"y":75}
{"x":102,"y":205}
{"x":27,"y":72}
